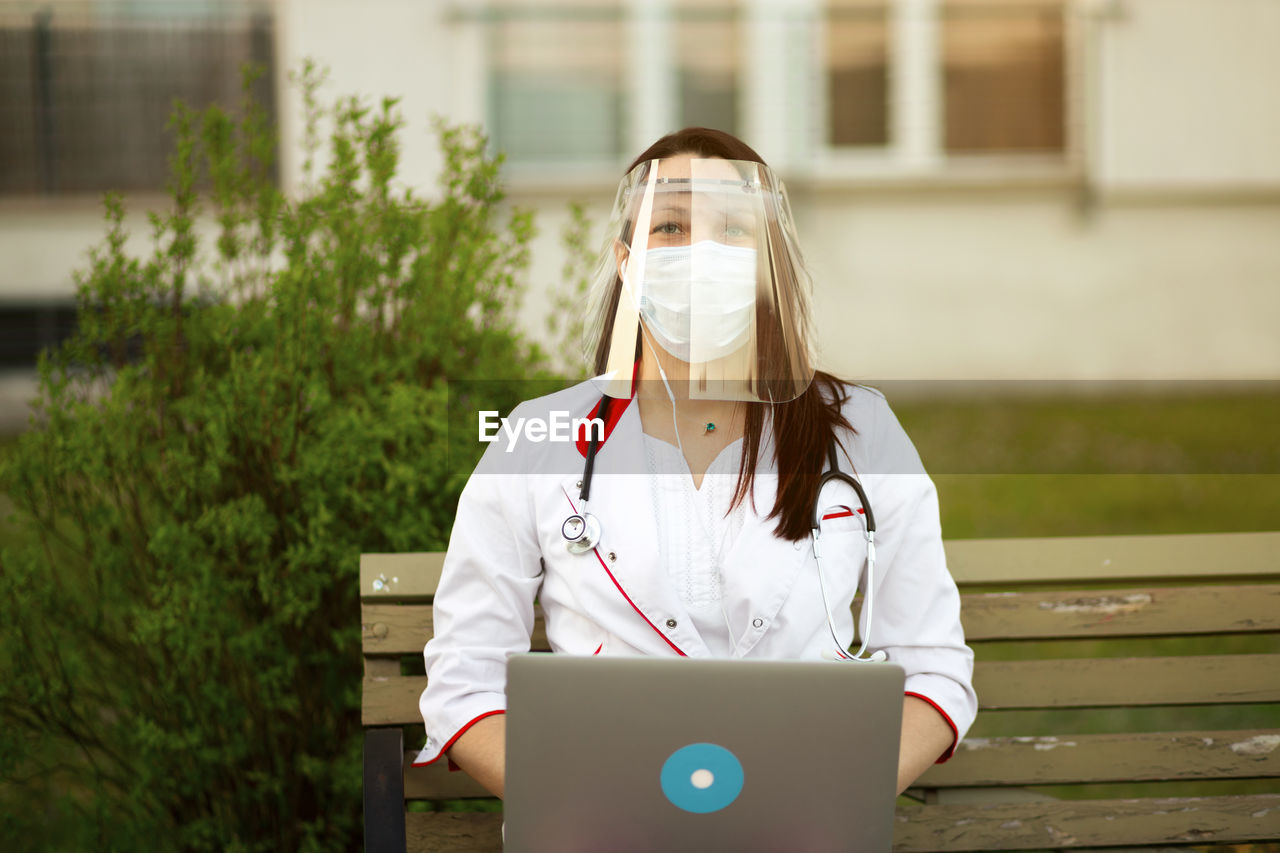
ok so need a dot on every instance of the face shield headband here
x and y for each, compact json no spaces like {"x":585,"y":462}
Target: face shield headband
{"x":701,"y":271}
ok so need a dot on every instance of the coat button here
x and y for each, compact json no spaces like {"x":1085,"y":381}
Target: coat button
{"x":671,"y":623}
{"x":759,"y":623}
{"x":613,"y":557}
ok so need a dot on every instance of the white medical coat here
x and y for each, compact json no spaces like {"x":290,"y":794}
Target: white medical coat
{"x":507,"y":549}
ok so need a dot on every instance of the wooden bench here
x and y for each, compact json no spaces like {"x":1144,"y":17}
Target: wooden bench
{"x":1130,"y":694}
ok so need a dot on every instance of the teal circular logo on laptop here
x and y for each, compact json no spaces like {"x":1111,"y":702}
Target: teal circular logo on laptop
{"x":702,"y":778}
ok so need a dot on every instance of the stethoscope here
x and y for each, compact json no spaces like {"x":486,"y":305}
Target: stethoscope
{"x":581,"y":532}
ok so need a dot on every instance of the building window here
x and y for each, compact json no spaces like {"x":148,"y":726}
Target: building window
{"x":85,"y":98}
{"x":926,"y":80}
{"x":28,"y":327}
{"x":707,"y":46}
{"x":555,"y":86}
{"x":1004,"y":76}
{"x":857,"y":73}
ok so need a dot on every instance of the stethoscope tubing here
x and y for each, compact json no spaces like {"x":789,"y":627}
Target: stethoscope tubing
{"x":582,"y":531}
{"x":834,"y":473}
{"x":815,"y":534}
{"x":588,"y":469}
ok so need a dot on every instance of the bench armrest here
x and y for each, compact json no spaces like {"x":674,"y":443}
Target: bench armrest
{"x":384,"y":830}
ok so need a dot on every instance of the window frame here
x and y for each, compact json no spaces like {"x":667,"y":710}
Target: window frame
{"x":111,"y":161}
{"x":916,"y":148}
{"x":783,"y":108}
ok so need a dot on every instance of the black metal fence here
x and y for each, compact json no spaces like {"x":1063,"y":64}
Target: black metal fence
{"x":84,"y":103}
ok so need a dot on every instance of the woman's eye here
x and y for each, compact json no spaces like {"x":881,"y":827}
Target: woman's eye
{"x":667,"y":228}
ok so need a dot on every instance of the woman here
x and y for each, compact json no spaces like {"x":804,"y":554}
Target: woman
{"x":685,"y":529}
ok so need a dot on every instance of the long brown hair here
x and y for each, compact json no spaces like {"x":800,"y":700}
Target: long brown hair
{"x":803,"y":427}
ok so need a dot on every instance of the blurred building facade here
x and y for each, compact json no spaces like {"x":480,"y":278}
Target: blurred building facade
{"x":984,"y":189}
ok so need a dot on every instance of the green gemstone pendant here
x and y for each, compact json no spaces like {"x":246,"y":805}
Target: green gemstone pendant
{"x":710,"y":428}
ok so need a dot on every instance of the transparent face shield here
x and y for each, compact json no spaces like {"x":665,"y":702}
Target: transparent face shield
{"x":701,"y":273}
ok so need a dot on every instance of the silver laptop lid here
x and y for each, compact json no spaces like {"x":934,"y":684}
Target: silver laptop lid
{"x":662,"y":754}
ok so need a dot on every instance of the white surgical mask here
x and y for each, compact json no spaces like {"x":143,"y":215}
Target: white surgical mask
{"x":698,"y":301}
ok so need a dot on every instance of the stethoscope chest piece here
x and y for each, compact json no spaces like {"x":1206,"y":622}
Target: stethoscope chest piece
{"x":581,"y":532}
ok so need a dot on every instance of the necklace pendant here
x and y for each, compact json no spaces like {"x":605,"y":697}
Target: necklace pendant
{"x":710,"y":428}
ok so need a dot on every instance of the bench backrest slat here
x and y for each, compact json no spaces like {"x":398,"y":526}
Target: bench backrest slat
{"x":1127,"y":682}
{"x":1132,"y":612}
{"x":1089,"y":823}
{"x":1135,"y":757}
{"x":392,"y":701}
{"x":992,"y":762}
{"x":1109,"y":559}
{"x":390,"y":629}
{"x":437,"y":782}
{"x":973,"y":561}
{"x":403,"y":629}
{"x":398,"y":577}
{"x":1004,"y":685}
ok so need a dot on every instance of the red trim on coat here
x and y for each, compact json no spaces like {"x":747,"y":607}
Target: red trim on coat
{"x":955,"y":733}
{"x":598,"y":648}
{"x":583,"y":438}
{"x":596,"y":551}
{"x":454,"y":739}
{"x":664,"y":637}
{"x":846,"y":514}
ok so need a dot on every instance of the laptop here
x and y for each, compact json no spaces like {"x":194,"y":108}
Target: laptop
{"x":609,"y":755}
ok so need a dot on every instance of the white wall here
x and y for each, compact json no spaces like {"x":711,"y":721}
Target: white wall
{"x":419,"y":51}
{"x":1021,"y":286}
{"x":43,"y":244}
{"x":1190,"y":94}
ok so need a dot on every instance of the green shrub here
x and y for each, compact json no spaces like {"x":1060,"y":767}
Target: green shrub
{"x":233,"y":424}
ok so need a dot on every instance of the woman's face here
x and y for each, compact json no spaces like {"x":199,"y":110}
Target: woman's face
{"x":693,"y":258}
{"x":696,"y":275}
{"x":682,"y":217}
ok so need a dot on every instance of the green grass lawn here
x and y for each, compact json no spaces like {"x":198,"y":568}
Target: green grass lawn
{"x":1097,"y":466}
{"x":1089,"y":465}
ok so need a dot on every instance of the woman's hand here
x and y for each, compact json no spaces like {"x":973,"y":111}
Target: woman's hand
{"x":925,"y":736}
{"x":482,"y":753}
